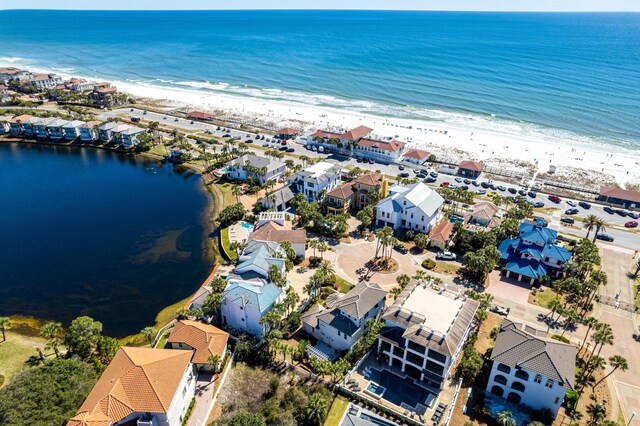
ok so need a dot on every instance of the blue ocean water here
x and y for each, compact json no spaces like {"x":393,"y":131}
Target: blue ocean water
{"x":568,"y":75}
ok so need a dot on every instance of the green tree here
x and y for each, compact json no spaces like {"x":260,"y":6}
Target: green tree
{"x":244,"y":418}
{"x":597,"y":412}
{"x":211,"y":304}
{"x":421,"y":241}
{"x":148,"y":333}
{"x":214,"y":361}
{"x":617,"y":362}
{"x":505,"y":418}
{"x":5,"y":324}
{"x":403,"y":280}
{"x":82,"y":336}
{"x":478,"y":265}
{"x":52,"y":331}
{"x":317,"y":409}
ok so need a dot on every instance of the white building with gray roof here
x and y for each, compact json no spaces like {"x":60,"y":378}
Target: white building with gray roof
{"x":425,"y":332}
{"x":529,"y":369}
{"x":416,"y":207}
{"x":342,"y":322}
{"x":261,"y":168}
{"x":313,"y":179}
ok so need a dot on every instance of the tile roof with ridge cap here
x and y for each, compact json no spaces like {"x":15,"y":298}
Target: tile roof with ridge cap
{"x":137,"y":380}
{"x":622,"y":194}
{"x":200,"y":115}
{"x":518,"y":347}
{"x":476,"y":166}
{"x":21,"y":118}
{"x":342,"y":192}
{"x":357,"y":133}
{"x":442,"y":232}
{"x":323,"y":134}
{"x":205,"y":339}
{"x":392,"y":145}
{"x":273,"y":232}
{"x":287,"y":131}
{"x":371,"y":179}
{"x":416,"y":154}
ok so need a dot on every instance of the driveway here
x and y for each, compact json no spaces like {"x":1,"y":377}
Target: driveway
{"x":204,"y":395}
{"x":508,"y":288}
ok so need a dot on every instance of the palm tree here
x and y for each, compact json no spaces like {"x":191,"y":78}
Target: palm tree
{"x":148,"y":333}
{"x":571,"y":317}
{"x":590,"y":323}
{"x":601,"y":226}
{"x":617,"y":362}
{"x":52,"y":331}
{"x":236,"y":246}
{"x":313,"y":243}
{"x":597,"y":412}
{"x":326,"y":269}
{"x":214,"y":361}
{"x":316,"y":410}
{"x":420,"y":276}
{"x":5,"y":324}
{"x":322,"y":247}
{"x":505,"y":418}
{"x":236,"y":190}
{"x":555,"y":306}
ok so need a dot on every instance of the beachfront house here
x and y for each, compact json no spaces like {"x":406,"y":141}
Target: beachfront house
{"x":79,"y":85}
{"x":316,"y":178}
{"x":274,"y":227}
{"x":533,"y":254}
{"x":340,"y":324}
{"x":10,"y":73}
{"x":529,"y":369}
{"x":415,"y":156}
{"x":424,"y":333}
{"x":5,"y":127}
{"x":470,"y":169}
{"x":484,"y":216}
{"x":141,"y":387}
{"x":416,"y":207}
{"x":129,"y":136}
{"x":380,"y":151}
{"x":279,"y":200}
{"x":44,"y":81}
{"x":106,"y":131}
{"x":72,"y":129}
{"x":341,"y":142}
{"x":262,"y":169}
{"x":199,"y":115}
{"x":56,"y":128}
{"x":18,"y":123}
{"x":88,"y":132}
{"x":41,"y":126}
{"x":286,"y":133}
{"x":250,"y":294}
{"x":204,"y":340}
{"x":354,"y":195}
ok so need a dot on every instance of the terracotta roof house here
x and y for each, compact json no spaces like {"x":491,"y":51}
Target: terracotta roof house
{"x":416,"y":156}
{"x":273,"y":227}
{"x":354,"y":195}
{"x":529,"y":369}
{"x":203,"y":339}
{"x":286,"y":133}
{"x":325,"y":135}
{"x":198,"y":115}
{"x":623,"y":197}
{"x":483,"y":217}
{"x":357,"y":133}
{"x":141,"y":386}
{"x":17,"y":124}
{"x":339,"y":326}
{"x":440,"y":235}
{"x":470,"y":169}
{"x":382,"y":151}
{"x":425,"y":330}
{"x":339,"y":200}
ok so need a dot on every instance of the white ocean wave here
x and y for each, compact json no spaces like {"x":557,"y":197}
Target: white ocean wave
{"x":10,"y":59}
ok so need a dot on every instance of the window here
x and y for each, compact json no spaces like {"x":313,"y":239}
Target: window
{"x":549,"y":383}
{"x":504,"y":368}
{"x":339,"y":334}
{"x":522,"y":375}
{"x":538,"y":378}
{"x":422,"y":219}
{"x":437,"y":356}
{"x":411,"y":215}
{"x":517,"y":386}
{"x":500,"y":379}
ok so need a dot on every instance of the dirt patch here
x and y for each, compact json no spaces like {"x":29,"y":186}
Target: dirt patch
{"x":484,"y":341}
{"x":383,"y":265}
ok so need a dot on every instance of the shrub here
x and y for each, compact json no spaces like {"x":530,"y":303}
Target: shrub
{"x":428,"y":264}
{"x":560,"y":338}
{"x":570,"y":400}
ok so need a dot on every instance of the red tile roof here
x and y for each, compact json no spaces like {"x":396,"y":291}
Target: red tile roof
{"x":323,"y":134}
{"x":393,"y":145}
{"x":371,"y":179}
{"x":200,"y":115}
{"x":442,"y":231}
{"x":418,"y":154}
{"x":287,"y":131}
{"x":271,"y":231}
{"x":622,"y":194}
{"x":476,"y":166}
{"x":205,"y":339}
{"x":342,"y":192}
{"x":357,"y":133}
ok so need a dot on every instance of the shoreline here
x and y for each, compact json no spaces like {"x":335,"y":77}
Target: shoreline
{"x":207,"y":215}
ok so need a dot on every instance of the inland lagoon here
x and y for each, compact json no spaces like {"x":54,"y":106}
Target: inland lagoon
{"x":92,"y":232}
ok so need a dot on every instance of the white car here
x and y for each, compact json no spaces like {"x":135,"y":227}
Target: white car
{"x":571,"y":203}
{"x":481,"y":191}
{"x":446,"y":255}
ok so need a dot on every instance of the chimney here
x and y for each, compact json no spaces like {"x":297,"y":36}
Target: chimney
{"x":385,"y":187}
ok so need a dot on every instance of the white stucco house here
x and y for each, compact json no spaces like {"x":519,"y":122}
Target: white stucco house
{"x":415,"y":207}
{"x":142,"y":387}
{"x":313,"y":179}
{"x":424,"y":333}
{"x":56,"y":128}
{"x":339,"y":326}
{"x":274,"y":227}
{"x":261,"y":168}
{"x":250,"y":294}
{"x":380,"y":151}
{"x":529,"y":369}
{"x":88,"y":132}
{"x":72,"y":129}
{"x":129,"y":136}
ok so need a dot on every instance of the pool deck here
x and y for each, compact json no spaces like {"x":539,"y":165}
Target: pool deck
{"x":445,"y":396}
{"x":240,"y":233}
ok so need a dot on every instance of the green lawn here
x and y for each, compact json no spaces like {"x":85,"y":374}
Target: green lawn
{"x":228,"y":198}
{"x":542,"y":298}
{"x":343,"y":285}
{"x":636,"y":291}
{"x":337,"y":410}
{"x":163,"y":318}
{"x":226,"y":244}
{"x":15,"y":351}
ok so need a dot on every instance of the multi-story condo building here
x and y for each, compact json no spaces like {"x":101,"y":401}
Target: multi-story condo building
{"x":72,"y":129}
{"x":425,"y":331}
{"x":261,"y":168}
{"x":416,"y":207}
{"x":529,"y":369}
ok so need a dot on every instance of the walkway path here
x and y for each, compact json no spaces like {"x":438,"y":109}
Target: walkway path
{"x":204,"y":396}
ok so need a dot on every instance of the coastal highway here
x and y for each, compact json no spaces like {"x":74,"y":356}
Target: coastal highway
{"x":551,"y":212}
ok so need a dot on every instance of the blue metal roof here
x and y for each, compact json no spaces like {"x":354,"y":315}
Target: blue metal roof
{"x":552,"y":251}
{"x":257,"y":297}
{"x":527,"y":267}
{"x":537,"y":234}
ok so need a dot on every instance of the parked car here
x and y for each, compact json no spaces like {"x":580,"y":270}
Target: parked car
{"x":540,"y":222}
{"x":538,"y":204}
{"x":475,"y":183}
{"x":631,"y":224}
{"x":371,"y":161}
{"x":500,"y":310}
{"x":571,"y":211}
{"x":291,"y":150}
{"x":467,"y":181}
{"x":401,"y":167}
{"x":512,"y":190}
{"x":249,"y":141}
{"x":608,"y":210}
{"x":401,"y":248}
{"x":568,"y":220}
{"x":604,"y":237}
{"x":459,"y":180}
{"x":453,"y":186}
{"x":481,"y":191}
{"x":532,"y":194}
{"x":430,"y":180}
{"x":358,"y":160}
{"x":265,"y":145}
{"x":492,"y":194}
{"x":403,"y":175}
{"x":555,"y":198}
{"x":493,"y":186}
{"x":445,"y":255}
{"x":571,"y":203}
{"x":633,"y":215}
{"x":282,"y":148}
{"x":485,"y":185}
{"x":584,"y":205}
{"x":433,"y":174}
{"x":464,"y":187}
{"x":443,"y":184}
{"x":522,"y":192}
{"x":421,"y":175}
{"x":621,"y":212}
{"x":226,"y":135}
{"x":502,"y":188}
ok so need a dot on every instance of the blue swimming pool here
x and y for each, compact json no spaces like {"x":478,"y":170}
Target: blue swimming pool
{"x":456,"y":219}
{"x":376,"y":389}
{"x":246,"y":225}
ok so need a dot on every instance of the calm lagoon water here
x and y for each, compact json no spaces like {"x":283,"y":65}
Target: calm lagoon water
{"x":92,"y":232}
